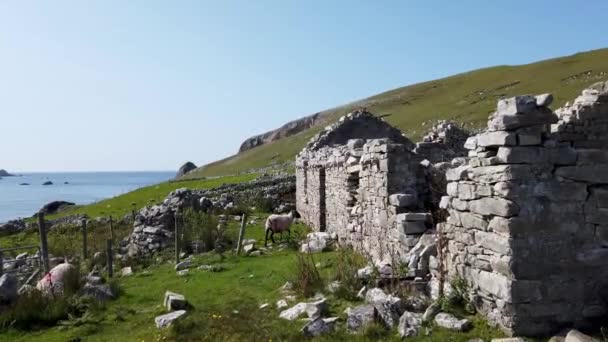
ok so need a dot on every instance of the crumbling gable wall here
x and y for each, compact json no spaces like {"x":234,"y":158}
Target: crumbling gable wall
{"x":528,"y":222}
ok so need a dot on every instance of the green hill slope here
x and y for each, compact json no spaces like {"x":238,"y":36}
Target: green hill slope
{"x":467,"y":98}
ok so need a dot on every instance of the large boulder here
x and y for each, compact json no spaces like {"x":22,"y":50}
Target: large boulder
{"x":8,"y":288}
{"x":187,"y":167}
{"x":389,"y":307}
{"x":361,"y":316}
{"x":58,"y":279}
{"x":55,"y":207}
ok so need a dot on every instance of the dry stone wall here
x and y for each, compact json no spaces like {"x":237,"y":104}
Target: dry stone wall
{"x":528,"y":223}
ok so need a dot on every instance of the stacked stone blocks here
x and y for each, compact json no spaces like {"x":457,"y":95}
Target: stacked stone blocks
{"x":527,"y":224}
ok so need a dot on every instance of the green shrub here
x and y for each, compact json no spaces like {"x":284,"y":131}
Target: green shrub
{"x":34,"y":310}
{"x":201,"y":229}
{"x":306,"y":278}
{"x":347,"y":263}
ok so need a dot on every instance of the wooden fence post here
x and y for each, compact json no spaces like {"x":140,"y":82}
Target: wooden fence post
{"x":1,"y":263}
{"x":109,"y":258}
{"x":84,"y":240}
{"x":239,"y":244}
{"x":44,"y":250}
{"x":111,"y":229}
{"x":177,"y":238}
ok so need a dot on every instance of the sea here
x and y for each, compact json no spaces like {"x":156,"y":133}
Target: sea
{"x":17,"y":200}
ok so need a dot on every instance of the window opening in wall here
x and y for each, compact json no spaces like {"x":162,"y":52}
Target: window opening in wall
{"x":352,"y":185}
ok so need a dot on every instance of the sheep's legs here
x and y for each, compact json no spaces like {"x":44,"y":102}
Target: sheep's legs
{"x":266,"y":237}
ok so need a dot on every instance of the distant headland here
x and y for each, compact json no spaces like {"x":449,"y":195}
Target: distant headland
{"x":4,"y":173}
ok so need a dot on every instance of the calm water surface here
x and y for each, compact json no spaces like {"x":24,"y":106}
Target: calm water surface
{"x":82,"y":188}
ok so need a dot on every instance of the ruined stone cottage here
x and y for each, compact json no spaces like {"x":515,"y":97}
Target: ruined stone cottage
{"x":528,"y":208}
{"x":360,"y":180}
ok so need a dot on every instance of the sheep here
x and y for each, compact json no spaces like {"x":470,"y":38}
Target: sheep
{"x":278,"y":224}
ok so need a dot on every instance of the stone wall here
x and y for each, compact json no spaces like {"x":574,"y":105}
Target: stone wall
{"x":154,"y":225}
{"x":528,"y":222}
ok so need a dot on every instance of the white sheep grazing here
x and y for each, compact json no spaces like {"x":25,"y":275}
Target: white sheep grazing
{"x":278,"y":224}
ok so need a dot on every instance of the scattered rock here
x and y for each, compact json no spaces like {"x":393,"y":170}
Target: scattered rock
{"x":294,"y":312}
{"x":8,"y":288}
{"x":183,"y":273}
{"x":264,"y":306}
{"x":365,"y":272}
{"x":126,"y":271}
{"x":577,"y":336}
{"x":313,"y":310}
{"x":319,"y":326}
{"x":164,"y":321}
{"x":183,"y":265}
{"x":409,"y":324}
{"x":431,"y":312}
{"x":389,"y":308}
{"x":449,"y":321}
{"x":282,"y":304}
{"x":174,"y":301}
{"x":361,"y":316}
{"x":509,"y":339}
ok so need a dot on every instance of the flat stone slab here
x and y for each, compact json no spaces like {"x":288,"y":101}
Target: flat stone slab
{"x":166,"y":320}
{"x":448,"y":321}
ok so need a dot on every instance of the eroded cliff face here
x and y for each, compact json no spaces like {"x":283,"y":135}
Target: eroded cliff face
{"x":288,"y":129}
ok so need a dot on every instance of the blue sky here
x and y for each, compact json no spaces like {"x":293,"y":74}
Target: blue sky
{"x":148,"y":85}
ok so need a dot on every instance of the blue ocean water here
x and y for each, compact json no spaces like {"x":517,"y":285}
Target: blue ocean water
{"x":82,"y":188}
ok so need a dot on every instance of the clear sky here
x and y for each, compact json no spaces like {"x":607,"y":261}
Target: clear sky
{"x":148,"y":85}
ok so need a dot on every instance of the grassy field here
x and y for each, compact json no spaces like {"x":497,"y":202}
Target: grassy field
{"x":467,"y":98}
{"x":245,"y":283}
{"x":123,"y":204}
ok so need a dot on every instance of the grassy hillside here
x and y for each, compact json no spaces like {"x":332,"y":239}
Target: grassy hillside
{"x":467,"y":98}
{"x":123,"y":204}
